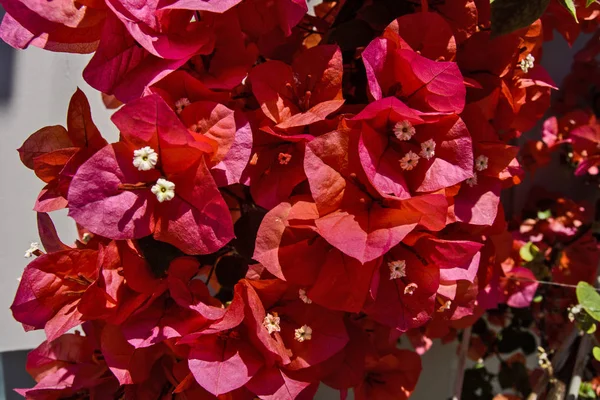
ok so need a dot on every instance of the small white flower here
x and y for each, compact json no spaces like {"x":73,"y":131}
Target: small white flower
{"x":527,"y":63}
{"x":181,"y":104}
{"x":409,"y":161}
{"x":164,"y":190}
{"x":410,"y":288}
{"x":472,"y":181}
{"x":271,"y":322}
{"x":397,"y":269}
{"x":573,"y":311}
{"x":481,"y":163}
{"x":145,"y":159}
{"x":404,"y":130}
{"x":303,"y":296}
{"x":35,"y":246}
{"x":427,"y":149}
{"x":303,"y":333}
{"x":284,"y":158}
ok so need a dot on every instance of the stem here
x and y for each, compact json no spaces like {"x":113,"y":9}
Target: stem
{"x":462,"y":362}
{"x":582,"y":355}
{"x":134,"y":186}
{"x":558,"y":361}
{"x":210,"y":273}
{"x":424,"y":5}
{"x":564,"y":285}
{"x":585,"y":345}
{"x":38,"y":253}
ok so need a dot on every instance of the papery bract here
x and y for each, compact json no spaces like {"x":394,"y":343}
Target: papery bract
{"x":395,"y":373}
{"x":303,"y":93}
{"x":55,"y":26}
{"x":51,"y":288}
{"x":95,"y":196}
{"x":351,"y":216}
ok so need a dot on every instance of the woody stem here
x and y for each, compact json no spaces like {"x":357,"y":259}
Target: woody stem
{"x":462,"y":362}
{"x":585,"y":345}
{"x":133,"y":186}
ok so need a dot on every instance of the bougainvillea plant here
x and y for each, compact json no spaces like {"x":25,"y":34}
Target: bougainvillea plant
{"x":291,"y":192}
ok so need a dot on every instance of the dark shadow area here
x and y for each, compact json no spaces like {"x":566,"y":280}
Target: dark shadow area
{"x":14,"y":374}
{"x":7,"y":67}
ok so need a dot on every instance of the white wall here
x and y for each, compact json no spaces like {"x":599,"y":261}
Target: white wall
{"x":42,"y":83}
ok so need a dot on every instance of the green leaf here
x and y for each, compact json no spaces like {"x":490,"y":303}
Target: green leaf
{"x":586,"y":391}
{"x":591,"y":329}
{"x":589,"y":299}
{"x":510,"y":15}
{"x":596,"y":353}
{"x":570,"y":6}
{"x":589,"y":3}
{"x":538,"y":298}
{"x":528,"y":251}
{"x":544,"y":214}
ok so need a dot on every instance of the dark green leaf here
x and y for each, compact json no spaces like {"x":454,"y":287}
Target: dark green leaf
{"x":477,"y":385}
{"x":480,"y":327}
{"x":511,"y":15}
{"x":589,"y":299}
{"x":158,"y":254}
{"x":570,"y":6}
{"x":522,"y":317}
{"x":230,"y":269}
{"x":352,"y":34}
{"x":514,"y":339}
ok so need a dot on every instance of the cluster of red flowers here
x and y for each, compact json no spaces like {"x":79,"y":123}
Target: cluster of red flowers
{"x":573,"y":131}
{"x":289,"y":194}
{"x":555,"y":241}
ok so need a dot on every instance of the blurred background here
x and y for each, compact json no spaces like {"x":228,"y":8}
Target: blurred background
{"x":35,"y":88}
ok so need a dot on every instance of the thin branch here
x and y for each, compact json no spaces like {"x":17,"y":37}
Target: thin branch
{"x":585,"y":345}
{"x":515,"y":278}
{"x":558,"y":361}
{"x":462,"y":362}
{"x":211,"y":272}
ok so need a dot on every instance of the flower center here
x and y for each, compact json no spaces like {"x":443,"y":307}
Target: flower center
{"x":404,"y":130}
{"x":145,"y":159}
{"x":397,"y":269}
{"x":164,"y":190}
{"x":271,"y":322}
{"x":303,"y":333}
{"x":284,"y":158}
